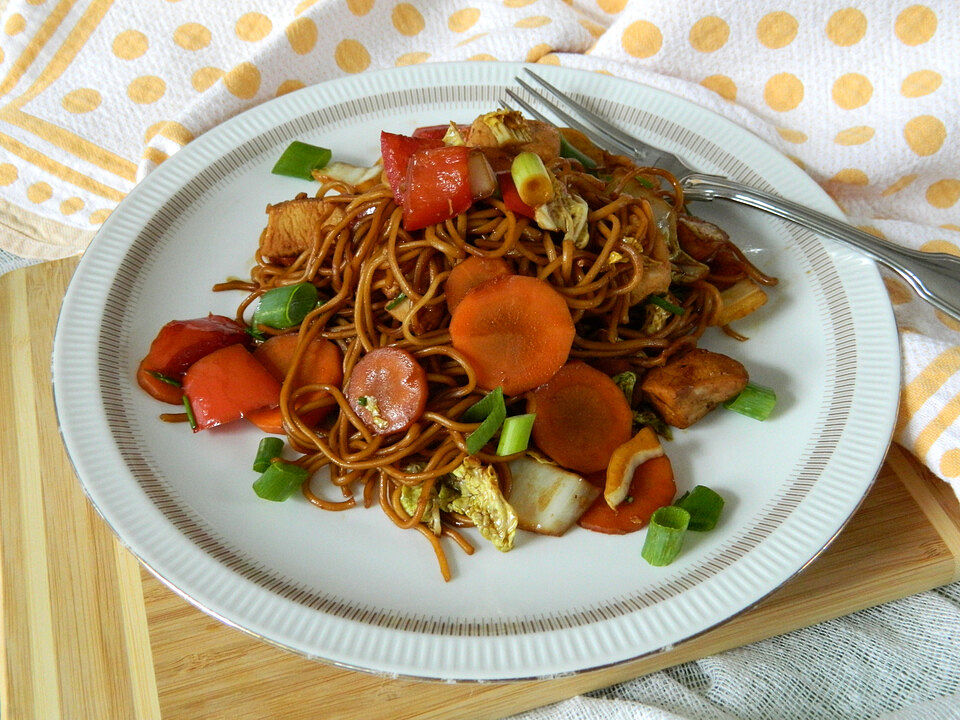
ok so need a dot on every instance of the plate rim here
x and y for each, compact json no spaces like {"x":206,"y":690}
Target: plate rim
{"x":213,"y":136}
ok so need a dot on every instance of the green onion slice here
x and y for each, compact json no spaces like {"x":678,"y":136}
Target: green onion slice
{"x":286,"y":306}
{"x":755,"y":401}
{"x":568,"y":150}
{"x":396,"y":301}
{"x":661,"y":302}
{"x":665,"y":535}
{"x":704,"y":506}
{"x":190,"y":416}
{"x":643,"y":181}
{"x":254,"y":333}
{"x":280,"y":481}
{"x":492,"y":411}
{"x":479,"y":410}
{"x":269,"y":448}
{"x":165,"y":378}
{"x":534,"y":184}
{"x":515,"y":436}
{"x":299,"y":160}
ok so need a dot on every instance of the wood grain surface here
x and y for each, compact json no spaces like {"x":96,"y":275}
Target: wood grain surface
{"x":87,"y":633}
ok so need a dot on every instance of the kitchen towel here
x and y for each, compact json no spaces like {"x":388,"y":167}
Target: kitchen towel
{"x":861,"y":94}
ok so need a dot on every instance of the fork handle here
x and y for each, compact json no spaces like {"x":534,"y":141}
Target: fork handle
{"x":934,"y":276}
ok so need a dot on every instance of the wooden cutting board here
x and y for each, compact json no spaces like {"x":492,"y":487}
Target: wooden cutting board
{"x":87,"y":633}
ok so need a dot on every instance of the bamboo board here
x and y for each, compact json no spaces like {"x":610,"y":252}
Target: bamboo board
{"x":87,"y":633}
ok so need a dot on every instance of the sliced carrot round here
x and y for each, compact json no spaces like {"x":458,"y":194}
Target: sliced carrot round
{"x":515,"y":330}
{"x":652,"y":487}
{"x":582,"y":417}
{"x":321,"y":364}
{"x":470,"y":273}
{"x":388,"y":390}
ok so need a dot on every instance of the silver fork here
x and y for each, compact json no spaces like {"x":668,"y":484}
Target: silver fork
{"x":934,"y":276}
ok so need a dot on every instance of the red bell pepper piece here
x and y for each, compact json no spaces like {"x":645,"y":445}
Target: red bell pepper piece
{"x":226,"y":385}
{"x":511,"y":198}
{"x":396,"y":151}
{"x":178,"y":345}
{"x":436,"y":132}
{"x":438,"y":186}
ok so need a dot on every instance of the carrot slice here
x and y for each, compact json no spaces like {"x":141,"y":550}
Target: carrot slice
{"x":322,"y":364}
{"x":515,"y":330}
{"x":652,"y":488}
{"x":388,"y":390}
{"x":470,"y":273}
{"x":582,"y":417}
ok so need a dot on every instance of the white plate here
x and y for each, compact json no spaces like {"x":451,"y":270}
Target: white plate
{"x":350,"y":588}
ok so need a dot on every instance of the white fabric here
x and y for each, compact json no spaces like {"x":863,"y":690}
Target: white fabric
{"x":899,"y":661}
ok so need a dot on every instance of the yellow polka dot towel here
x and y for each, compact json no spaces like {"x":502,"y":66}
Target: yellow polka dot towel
{"x":862,"y":94}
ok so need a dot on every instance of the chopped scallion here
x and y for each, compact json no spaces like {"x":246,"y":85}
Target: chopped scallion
{"x":286,"y":306}
{"x":662,"y":302}
{"x":665,"y":535}
{"x":396,"y":301}
{"x":643,"y":181}
{"x":269,"y":448}
{"x":190,"y":417}
{"x":493,"y":412}
{"x":515,"y":436}
{"x":569,"y":150}
{"x":300,"y":159}
{"x":280,"y":481}
{"x":254,"y":333}
{"x":533,"y":181}
{"x":754,"y":401}
{"x":480,"y":409}
{"x":704,"y":506}
{"x":165,"y":378}
{"x":363,"y":400}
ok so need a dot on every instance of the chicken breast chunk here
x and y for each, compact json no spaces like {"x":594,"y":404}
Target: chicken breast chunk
{"x":294,"y":225}
{"x":690,"y":386}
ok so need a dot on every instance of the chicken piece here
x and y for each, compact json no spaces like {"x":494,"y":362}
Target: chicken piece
{"x":700,"y":239}
{"x":655,"y":280}
{"x":511,"y":131}
{"x":690,"y":386}
{"x":294,"y":225}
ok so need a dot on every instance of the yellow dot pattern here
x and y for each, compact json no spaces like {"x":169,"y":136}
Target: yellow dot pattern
{"x":777,"y":29}
{"x":253,"y":27}
{"x":205,"y":77}
{"x":146,"y":89}
{"x":351,"y":56}
{"x":243,"y":80}
{"x":847,"y":27}
{"x":302,"y":35}
{"x":130,"y":44}
{"x":39,"y":192}
{"x":8,"y":174}
{"x":915,"y":25}
{"x":407,"y":19}
{"x":709,"y":34}
{"x":920,"y":83}
{"x":783,"y":92}
{"x":642,"y":39}
{"x":192,"y":36}
{"x":463,"y":20}
{"x":82,"y":100}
